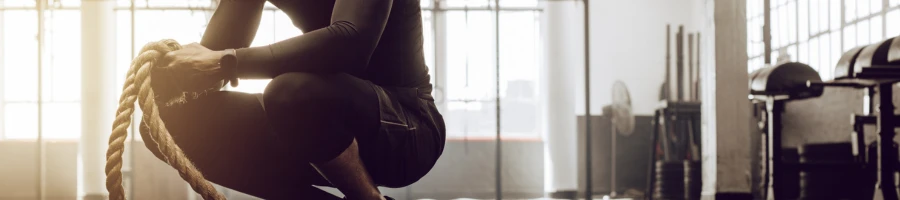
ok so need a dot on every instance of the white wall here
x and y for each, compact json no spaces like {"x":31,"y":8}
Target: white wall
{"x":628,"y":41}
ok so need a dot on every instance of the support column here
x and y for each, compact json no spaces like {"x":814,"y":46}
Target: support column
{"x":564,"y":48}
{"x":726,"y":156}
{"x":98,"y":100}
{"x":2,"y":67}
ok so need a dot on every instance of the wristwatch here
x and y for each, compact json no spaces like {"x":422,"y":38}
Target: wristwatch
{"x":228,"y":63}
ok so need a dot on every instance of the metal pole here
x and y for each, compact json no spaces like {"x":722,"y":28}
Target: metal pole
{"x":690,"y":74}
{"x":679,"y":64}
{"x":767,"y":29}
{"x":886,"y":150}
{"x":498,"y":154}
{"x":774,"y":110}
{"x":588,"y":192}
{"x":666,"y":86}
{"x":39,"y":6}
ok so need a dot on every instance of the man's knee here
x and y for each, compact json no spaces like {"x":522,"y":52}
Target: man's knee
{"x":294,"y":90}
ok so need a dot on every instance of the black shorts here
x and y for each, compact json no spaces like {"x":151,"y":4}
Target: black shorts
{"x":410,"y":138}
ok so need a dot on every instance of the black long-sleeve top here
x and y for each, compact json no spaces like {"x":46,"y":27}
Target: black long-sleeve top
{"x":377,"y":40}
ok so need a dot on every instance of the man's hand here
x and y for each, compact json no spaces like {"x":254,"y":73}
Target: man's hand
{"x":194,"y":68}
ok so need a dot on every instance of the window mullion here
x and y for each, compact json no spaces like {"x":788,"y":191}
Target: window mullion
{"x":439,"y":23}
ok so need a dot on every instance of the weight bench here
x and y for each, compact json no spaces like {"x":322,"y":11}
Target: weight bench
{"x":875,"y":67}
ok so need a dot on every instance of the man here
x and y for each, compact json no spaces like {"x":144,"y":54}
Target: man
{"x":349,"y":104}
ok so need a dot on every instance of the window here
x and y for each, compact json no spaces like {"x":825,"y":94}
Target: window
{"x":60,"y":68}
{"x":456,"y":34}
{"x":469,"y":83}
{"x":822,"y":35}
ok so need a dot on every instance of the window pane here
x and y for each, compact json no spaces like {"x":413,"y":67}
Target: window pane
{"x":265,"y":34}
{"x":850,"y":10}
{"x":182,"y":25}
{"x":20,"y":65}
{"x":174,"y":3}
{"x":814,"y":17}
{"x":470,"y":83}
{"x":862,"y":32}
{"x":61,"y":120}
{"x":862,"y":7}
{"x":62,"y":66}
{"x":428,"y":32}
{"x":823,"y":15}
{"x":518,"y":3}
{"x":893,"y":23}
{"x":752,"y":32}
{"x":471,"y":119}
{"x":803,"y":19}
{"x":875,"y":6}
{"x":792,"y":53}
{"x":835,"y":54}
{"x":519,"y":73}
{"x":17,"y":3}
{"x":470,"y":60}
{"x":21,"y":120}
{"x":467,"y":3}
{"x":876,"y":33}
{"x":284,"y":27}
{"x":835,"y":14}
{"x":814,"y":53}
{"x":776,"y":28}
{"x":803,"y":53}
{"x":850,"y":37}
{"x":786,"y":23}
{"x":69,"y":3}
{"x":123,"y":46}
{"x":824,"y":54}
{"x":895,"y":2}
{"x":751,"y":9}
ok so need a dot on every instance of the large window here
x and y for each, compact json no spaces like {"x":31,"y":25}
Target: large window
{"x":470,"y":86}
{"x":60,"y":70}
{"x":817,"y":32}
{"x":460,"y":50}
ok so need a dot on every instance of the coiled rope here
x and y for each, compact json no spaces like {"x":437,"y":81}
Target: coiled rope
{"x":137,"y":87}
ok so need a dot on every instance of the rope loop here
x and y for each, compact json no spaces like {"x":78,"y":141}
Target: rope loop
{"x":137,"y":88}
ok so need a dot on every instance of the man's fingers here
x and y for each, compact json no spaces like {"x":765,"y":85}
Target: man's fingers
{"x":166,"y":60}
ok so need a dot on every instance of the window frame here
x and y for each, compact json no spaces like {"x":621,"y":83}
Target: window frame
{"x":847,"y":28}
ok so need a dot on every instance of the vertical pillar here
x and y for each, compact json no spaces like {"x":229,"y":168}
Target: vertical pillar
{"x":564,"y":60}
{"x":98,"y":98}
{"x":2,"y":67}
{"x":726,"y":156}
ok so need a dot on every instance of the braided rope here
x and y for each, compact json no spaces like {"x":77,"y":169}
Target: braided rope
{"x":137,"y":87}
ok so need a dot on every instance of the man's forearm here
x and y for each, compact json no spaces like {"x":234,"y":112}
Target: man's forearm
{"x":233,"y":25}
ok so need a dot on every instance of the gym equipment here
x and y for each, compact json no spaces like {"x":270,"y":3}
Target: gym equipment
{"x":622,"y":123}
{"x":620,"y":109}
{"x":875,"y":67}
{"x":774,"y":86}
{"x":831,"y":171}
{"x":677,"y":180}
{"x":676,"y":133}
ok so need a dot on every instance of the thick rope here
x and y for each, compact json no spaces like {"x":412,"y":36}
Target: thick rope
{"x":137,"y":87}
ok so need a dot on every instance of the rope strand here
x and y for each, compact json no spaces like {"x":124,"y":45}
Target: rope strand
{"x":137,"y":88}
